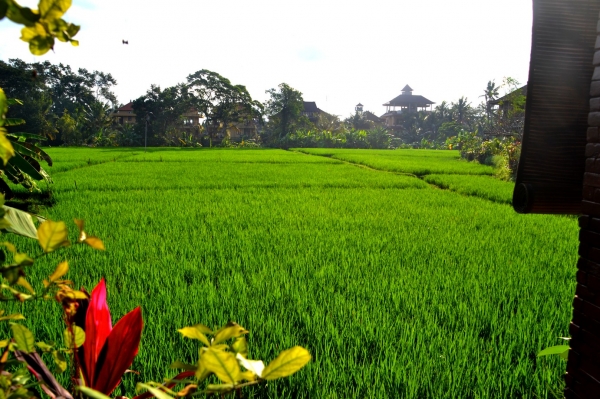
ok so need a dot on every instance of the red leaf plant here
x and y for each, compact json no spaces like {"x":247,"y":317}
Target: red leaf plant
{"x":107,"y":352}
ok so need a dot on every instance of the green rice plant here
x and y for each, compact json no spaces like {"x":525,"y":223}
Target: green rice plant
{"x":416,"y":162}
{"x":205,"y":175}
{"x":231,"y":155}
{"x":479,"y":186}
{"x":397,"y":289}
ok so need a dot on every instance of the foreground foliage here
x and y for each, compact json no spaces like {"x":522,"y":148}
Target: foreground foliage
{"x":100,"y":354}
{"x":22,"y":158}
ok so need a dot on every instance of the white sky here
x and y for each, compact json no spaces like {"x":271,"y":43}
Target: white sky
{"x":337,"y":53}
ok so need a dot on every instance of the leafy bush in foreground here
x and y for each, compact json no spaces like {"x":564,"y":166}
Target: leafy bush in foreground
{"x":100,"y":354}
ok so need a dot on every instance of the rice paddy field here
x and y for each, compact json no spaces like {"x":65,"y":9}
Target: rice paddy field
{"x":405,"y":273}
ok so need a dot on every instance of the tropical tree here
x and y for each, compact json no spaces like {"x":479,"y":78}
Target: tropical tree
{"x":222,"y":103}
{"x":284,"y":109}
{"x":462,"y":111}
{"x":359,"y":121}
{"x":100,"y":84}
{"x":17,"y":80}
{"x":490,"y":93}
{"x":160,"y":111}
{"x":509,"y":121}
{"x":69,"y":129}
{"x":443,"y":112}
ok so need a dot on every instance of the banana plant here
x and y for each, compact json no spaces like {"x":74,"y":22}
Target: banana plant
{"x":23,"y":167}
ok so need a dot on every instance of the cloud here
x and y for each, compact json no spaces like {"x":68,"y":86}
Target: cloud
{"x":87,"y":4}
{"x":310,"y":54}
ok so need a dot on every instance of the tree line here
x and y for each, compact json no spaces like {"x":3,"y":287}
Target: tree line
{"x":74,"y":108}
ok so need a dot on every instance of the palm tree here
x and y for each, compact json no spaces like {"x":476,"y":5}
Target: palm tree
{"x":490,"y":94}
{"x":96,"y":117}
{"x":443,"y":112}
{"x":330,"y":123}
{"x":491,"y":91}
{"x":462,"y":110}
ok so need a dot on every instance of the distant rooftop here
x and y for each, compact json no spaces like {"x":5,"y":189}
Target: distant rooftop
{"x":126,"y":107}
{"x":407,"y":98}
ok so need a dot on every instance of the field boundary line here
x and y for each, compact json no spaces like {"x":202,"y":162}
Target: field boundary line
{"x":89,"y":164}
{"x":360,"y":165}
{"x":420,"y":177}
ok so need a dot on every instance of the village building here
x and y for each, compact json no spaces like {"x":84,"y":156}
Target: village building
{"x":505,"y":103}
{"x":368,"y":115}
{"x":405,"y":102}
{"x":311,"y":111}
{"x":125,"y":115}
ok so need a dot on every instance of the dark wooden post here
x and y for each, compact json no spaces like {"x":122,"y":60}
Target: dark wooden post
{"x":583,"y":367}
{"x":559,"y":169}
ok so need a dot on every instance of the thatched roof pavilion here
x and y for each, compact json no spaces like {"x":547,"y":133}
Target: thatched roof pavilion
{"x":408,"y":102}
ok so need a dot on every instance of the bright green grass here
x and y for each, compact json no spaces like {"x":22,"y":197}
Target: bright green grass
{"x":480,"y":186}
{"x":65,"y":158}
{"x":121,"y":176}
{"x":417,"y":162}
{"x":228,"y":155}
{"x":396,"y":291}
{"x":94,"y":155}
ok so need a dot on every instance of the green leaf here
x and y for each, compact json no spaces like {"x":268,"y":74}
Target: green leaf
{"x":89,"y":392}
{"x":40,"y":45}
{"x":20,"y":163}
{"x":180,"y":365}
{"x":23,"y":337}
{"x":154,"y":391}
{"x":4,"y":224}
{"x":222,"y":363}
{"x":79,"y":337}
{"x":95,"y":243}
{"x":219,"y":388}
{"x":21,"y":223}
{"x":22,"y":136}
{"x":10,"y":247}
{"x":196,"y":332}
{"x":287,"y":363}
{"x":44,"y":346}
{"x":3,"y":107}
{"x":61,"y":269}
{"x":202,"y":372}
{"x":3,"y":9}
{"x":52,"y":235}
{"x":23,"y":259}
{"x":22,"y":15}
{"x":14,"y":121}
{"x":14,"y":101}
{"x":6,"y":149}
{"x":562,"y":350}
{"x":25,"y":284}
{"x":29,"y":149}
{"x":14,"y":316}
{"x":230,"y":330}
{"x":240,"y":345}
{"x":60,"y":361}
{"x":53,"y":9}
